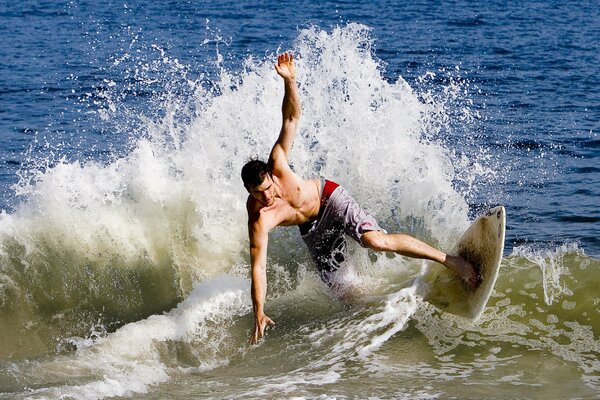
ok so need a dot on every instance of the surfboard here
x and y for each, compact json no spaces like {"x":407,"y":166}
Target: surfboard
{"x":482,"y":245}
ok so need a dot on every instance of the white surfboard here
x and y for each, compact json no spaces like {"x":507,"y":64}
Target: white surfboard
{"x":482,"y":244}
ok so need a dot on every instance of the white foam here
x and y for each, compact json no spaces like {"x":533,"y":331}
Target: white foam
{"x":129,"y":360}
{"x":176,"y":201}
{"x":550,"y":262}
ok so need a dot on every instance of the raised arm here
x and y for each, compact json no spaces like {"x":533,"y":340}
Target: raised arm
{"x":259,"y":238}
{"x":290,"y":110}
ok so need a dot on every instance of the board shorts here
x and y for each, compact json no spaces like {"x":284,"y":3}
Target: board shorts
{"x":339,"y":216}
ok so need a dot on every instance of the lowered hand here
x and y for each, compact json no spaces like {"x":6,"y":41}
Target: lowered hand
{"x":261,"y":322}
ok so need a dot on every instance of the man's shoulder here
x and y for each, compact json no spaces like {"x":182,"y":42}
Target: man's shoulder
{"x":252,"y":208}
{"x":256,"y":211}
{"x":261,"y":217}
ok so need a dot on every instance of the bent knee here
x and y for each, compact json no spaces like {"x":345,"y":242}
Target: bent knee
{"x":375,"y":240}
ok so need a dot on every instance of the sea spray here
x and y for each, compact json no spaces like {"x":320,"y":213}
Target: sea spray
{"x":126,"y":238}
{"x":107,"y":243}
{"x":550,"y":262}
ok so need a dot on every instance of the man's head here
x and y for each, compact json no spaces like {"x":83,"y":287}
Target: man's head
{"x":258,"y":181}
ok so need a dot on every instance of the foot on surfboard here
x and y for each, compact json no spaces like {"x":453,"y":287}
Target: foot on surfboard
{"x":464,"y":269}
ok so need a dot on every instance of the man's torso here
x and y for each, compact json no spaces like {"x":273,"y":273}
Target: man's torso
{"x":297,"y":201}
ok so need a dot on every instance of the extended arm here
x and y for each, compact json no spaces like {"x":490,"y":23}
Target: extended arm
{"x":290,"y":110}
{"x":259,"y":238}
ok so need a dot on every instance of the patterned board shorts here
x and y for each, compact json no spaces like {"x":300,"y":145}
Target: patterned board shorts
{"x":326,"y":237}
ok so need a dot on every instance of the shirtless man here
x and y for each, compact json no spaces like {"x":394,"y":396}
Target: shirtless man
{"x":324,"y":211}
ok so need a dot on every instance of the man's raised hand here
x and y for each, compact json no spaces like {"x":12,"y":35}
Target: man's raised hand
{"x":285,"y":66}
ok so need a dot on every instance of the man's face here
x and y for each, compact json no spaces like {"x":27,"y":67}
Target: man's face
{"x":265,"y":192}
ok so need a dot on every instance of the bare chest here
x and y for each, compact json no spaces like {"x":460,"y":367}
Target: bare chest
{"x":288,"y":214}
{"x":294,"y":206}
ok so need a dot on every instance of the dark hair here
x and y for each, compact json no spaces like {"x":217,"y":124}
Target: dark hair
{"x":254,"y":172}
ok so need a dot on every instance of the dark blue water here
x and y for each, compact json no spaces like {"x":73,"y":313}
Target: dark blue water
{"x":532,"y":71}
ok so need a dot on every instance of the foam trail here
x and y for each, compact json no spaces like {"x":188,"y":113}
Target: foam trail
{"x":399,"y":308}
{"x":129,"y":360}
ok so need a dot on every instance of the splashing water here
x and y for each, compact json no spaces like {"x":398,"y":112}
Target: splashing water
{"x":107,"y":244}
{"x":171,"y":211}
{"x":551,"y":263}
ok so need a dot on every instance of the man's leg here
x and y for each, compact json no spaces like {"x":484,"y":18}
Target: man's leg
{"x":410,"y":247}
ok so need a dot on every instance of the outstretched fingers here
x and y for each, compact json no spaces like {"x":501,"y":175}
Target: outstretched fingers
{"x":285,"y":64}
{"x":256,"y":335}
{"x":259,"y":328}
{"x":286,"y":57}
{"x":267,"y":322}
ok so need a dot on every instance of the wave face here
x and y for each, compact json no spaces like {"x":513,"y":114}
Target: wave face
{"x":97,"y":255}
{"x":117,"y":241}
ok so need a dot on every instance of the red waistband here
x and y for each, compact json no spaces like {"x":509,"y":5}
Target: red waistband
{"x":328,"y":190}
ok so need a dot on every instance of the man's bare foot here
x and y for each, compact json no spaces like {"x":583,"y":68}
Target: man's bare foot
{"x":464,"y":269}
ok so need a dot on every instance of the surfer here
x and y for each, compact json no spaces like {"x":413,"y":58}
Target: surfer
{"x":324,"y":211}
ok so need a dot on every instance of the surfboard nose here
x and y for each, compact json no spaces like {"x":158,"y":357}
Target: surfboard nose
{"x":497,"y":211}
{"x":500,"y":216}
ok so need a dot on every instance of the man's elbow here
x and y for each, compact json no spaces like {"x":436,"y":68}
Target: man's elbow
{"x":291,"y":121}
{"x":258,"y":272}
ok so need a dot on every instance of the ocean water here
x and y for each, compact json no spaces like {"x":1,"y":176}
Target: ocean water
{"x":124,"y":265}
